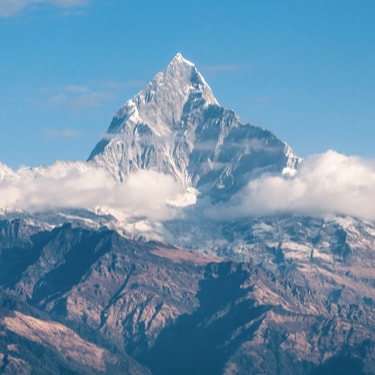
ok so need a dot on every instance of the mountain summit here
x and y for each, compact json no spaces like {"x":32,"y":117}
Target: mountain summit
{"x":177,"y":127}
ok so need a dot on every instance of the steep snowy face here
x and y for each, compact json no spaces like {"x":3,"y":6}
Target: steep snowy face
{"x":161,"y":103}
{"x":6,"y":172}
{"x":176,"y":126}
{"x":148,"y":132}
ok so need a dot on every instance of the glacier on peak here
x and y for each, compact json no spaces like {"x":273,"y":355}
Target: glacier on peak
{"x":5,"y":171}
{"x":160,"y":104}
{"x":179,"y":59}
{"x":176,"y":126}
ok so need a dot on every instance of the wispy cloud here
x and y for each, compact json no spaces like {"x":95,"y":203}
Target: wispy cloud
{"x":223,"y":68}
{"x":60,"y":133}
{"x":329,"y":183}
{"x":9,"y":8}
{"x":120,"y":85}
{"x":78,"y":97}
{"x":261,"y":99}
{"x":77,"y":89}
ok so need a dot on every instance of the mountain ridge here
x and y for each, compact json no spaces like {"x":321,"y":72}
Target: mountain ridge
{"x":176,"y":126}
{"x":145,"y":300}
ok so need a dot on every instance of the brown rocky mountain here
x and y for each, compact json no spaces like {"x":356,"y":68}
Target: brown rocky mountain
{"x":144,"y":306}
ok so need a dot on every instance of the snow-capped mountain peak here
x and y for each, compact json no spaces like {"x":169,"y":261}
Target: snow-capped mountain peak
{"x":179,"y":59}
{"x":176,"y":126}
{"x":5,"y":171}
{"x":160,"y":104}
{"x":181,"y":69}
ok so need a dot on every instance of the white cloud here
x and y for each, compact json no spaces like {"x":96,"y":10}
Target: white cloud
{"x":80,"y":185}
{"x":77,"y":89}
{"x":11,"y":7}
{"x":147,"y":193}
{"x":329,"y":183}
{"x":223,"y":68}
{"x":79,"y":97}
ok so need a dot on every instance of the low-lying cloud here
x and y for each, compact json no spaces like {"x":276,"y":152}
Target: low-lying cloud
{"x":328,"y":183}
{"x":81,"y":185}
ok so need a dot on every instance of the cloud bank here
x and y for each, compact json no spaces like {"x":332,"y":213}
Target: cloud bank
{"x":328,"y":183}
{"x":81,"y":185}
{"x":11,"y":7}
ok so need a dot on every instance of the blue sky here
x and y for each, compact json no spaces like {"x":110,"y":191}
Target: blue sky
{"x":302,"y":69}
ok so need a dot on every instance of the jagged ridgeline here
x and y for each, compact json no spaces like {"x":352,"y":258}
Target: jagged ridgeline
{"x":176,"y":126}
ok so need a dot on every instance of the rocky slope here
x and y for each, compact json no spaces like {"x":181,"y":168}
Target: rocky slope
{"x":179,"y":312}
{"x":31,"y":343}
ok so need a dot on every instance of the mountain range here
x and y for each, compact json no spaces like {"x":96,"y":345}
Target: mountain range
{"x":144,"y":260}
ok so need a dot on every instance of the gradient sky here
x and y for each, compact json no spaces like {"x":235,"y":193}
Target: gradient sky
{"x":303,"y":69}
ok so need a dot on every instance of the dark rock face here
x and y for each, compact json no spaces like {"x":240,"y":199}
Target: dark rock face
{"x":203,"y":341}
{"x":31,"y":343}
{"x":149,"y":308}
